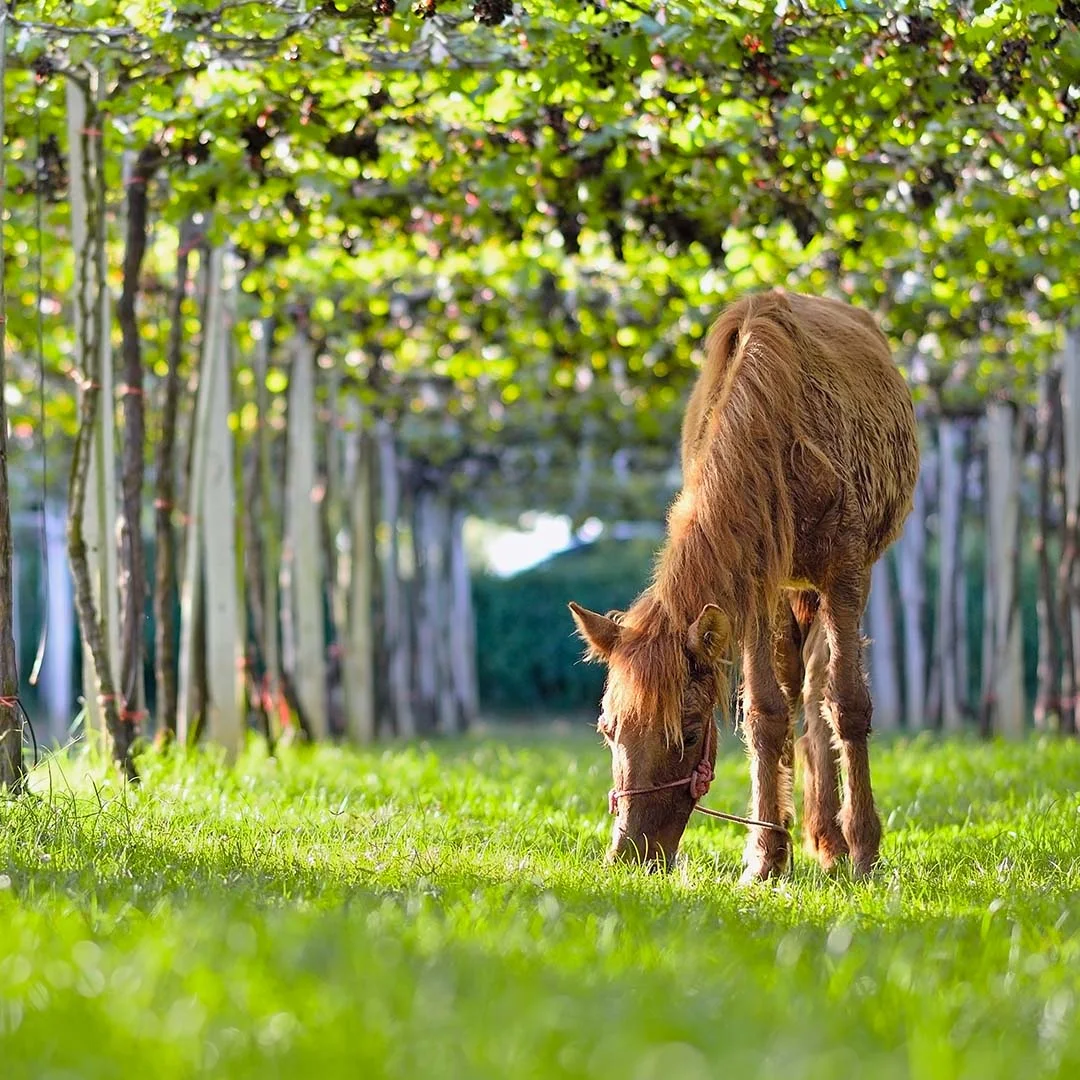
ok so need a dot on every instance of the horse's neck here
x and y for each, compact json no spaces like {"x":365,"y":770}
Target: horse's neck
{"x":698,"y":567}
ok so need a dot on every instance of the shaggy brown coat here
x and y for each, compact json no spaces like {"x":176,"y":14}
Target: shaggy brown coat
{"x":800,"y":456}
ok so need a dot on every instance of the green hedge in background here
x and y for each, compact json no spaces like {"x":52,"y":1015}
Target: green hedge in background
{"x":529,"y":658}
{"x":528,"y":655}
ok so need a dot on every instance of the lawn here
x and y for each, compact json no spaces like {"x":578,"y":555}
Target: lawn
{"x":443,"y":911}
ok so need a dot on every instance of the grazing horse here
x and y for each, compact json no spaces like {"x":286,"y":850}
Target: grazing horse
{"x":800,"y":456}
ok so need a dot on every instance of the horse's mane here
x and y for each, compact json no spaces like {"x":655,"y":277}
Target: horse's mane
{"x":731,"y":531}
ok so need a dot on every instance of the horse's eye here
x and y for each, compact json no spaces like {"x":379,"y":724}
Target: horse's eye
{"x":690,"y":738}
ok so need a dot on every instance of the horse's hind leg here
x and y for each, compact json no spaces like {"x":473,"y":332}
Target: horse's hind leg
{"x":848,"y":706}
{"x":822,"y":835}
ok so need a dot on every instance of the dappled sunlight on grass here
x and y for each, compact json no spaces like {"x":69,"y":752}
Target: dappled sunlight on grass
{"x":442,"y":910}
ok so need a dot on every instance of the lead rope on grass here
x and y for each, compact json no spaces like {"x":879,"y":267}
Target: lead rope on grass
{"x":700,"y":779}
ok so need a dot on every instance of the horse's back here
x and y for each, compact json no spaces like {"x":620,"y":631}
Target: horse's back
{"x":856,"y":406}
{"x":838,"y":396}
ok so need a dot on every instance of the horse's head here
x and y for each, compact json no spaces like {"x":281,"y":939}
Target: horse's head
{"x":662,"y":690}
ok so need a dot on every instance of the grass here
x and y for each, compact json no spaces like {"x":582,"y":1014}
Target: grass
{"x":443,"y":912}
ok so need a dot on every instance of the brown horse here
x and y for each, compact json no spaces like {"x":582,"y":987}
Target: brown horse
{"x":800,"y":456}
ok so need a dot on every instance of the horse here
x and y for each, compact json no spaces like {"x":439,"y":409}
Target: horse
{"x":800,"y":457}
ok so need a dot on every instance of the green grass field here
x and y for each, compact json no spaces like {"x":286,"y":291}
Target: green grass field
{"x":443,"y":911}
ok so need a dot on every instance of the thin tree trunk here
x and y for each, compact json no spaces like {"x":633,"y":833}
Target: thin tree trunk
{"x":950,"y":518}
{"x":463,"y":626}
{"x":437,"y":584}
{"x":224,"y":717}
{"x":395,"y":625}
{"x":911,"y":564}
{"x":332,"y":533}
{"x":1005,"y":701}
{"x":359,"y":668}
{"x":425,"y":618}
{"x":89,"y":521}
{"x":268,"y":532}
{"x":132,"y":577}
{"x":1048,"y":694}
{"x":303,"y":557}
{"x":165,"y":570}
{"x":962,"y":644}
{"x":259,"y":699}
{"x":86,"y":199}
{"x":192,"y":568}
{"x":884,"y":670}
{"x":1069,"y":569}
{"x":12,"y":768}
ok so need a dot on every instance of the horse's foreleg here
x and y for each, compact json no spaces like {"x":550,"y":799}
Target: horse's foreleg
{"x":822,"y":835}
{"x":849,"y":709}
{"x":766,"y":725}
{"x":789,"y":669}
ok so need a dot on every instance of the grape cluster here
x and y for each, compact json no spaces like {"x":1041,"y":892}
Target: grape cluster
{"x":426,"y":9}
{"x":1069,"y":9}
{"x":1007,"y":66}
{"x":384,"y":7}
{"x":49,"y":176}
{"x":43,"y":67}
{"x":492,"y":12}
{"x":783,"y":39}
{"x":976,"y":85}
{"x":361,"y":143}
{"x":601,"y":64}
{"x":921,"y":30}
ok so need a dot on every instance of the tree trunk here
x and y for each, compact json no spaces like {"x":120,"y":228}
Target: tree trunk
{"x":395,"y":625}
{"x":259,"y":699}
{"x":224,"y":716}
{"x":359,"y":666}
{"x":165,"y":568}
{"x":425,"y":621}
{"x":950,"y":523}
{"x":963,"y":637}
{"x":212,"y":338}
{"x":302,"y":562}
{"x":462,"y":627}
{"x":881,"y":629}
{"x":1048,"y":694}
{"x":1005,"y":698}
{"x":911,"y":565}
{"x":1069,"y":569}
{"x":91,"y":536}
{"x":437,"y":584}
{"x":269,"y":546}
{"x":333,"y":534}
{"x":12,"y":768}
{"x":132,"y":578}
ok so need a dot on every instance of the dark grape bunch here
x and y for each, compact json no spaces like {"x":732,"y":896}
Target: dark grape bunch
{"x":1009,"y":64}
{"x":384,"y":7}
{"x":601,"y":64}
{"x":426,"y":9}
{"x":492,"y":12}
{"x":43,"y":66}
{"x":921,"y":30}
{"x":976,"y":85}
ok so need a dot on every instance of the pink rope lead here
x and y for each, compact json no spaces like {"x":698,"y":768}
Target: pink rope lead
{"x":700,"y":780}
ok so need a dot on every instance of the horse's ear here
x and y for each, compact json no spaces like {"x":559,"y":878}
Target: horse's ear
{"x":709,"y":634}
{"x":599,"y":632}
